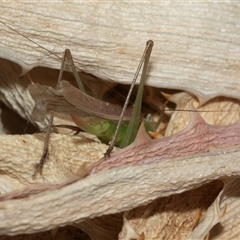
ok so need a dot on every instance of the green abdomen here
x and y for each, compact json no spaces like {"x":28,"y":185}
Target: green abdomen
{"x":105,"y":131}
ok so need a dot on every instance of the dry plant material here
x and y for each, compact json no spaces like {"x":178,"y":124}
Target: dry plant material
{"x":123,"y":187}
{"x":197,"y":138}
{"x":86,"y":202}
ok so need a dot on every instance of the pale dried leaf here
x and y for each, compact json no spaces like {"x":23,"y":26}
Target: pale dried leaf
{"x":107,"y":40}
{"x":189,"y":53}
{"x":218,"y":111}
{"x":223,"y":213}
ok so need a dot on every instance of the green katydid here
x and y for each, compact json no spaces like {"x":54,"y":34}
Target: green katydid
{"x":82,"y":107}
{"x":73,"y":110}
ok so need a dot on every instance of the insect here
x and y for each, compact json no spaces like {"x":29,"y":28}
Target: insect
{"x":107,"y":121}
{"x":93,"y":116}
{"x":87,"y":116}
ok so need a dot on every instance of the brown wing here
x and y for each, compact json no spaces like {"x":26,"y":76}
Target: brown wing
{"x":48,"y":100}
{"x":90,"y":104}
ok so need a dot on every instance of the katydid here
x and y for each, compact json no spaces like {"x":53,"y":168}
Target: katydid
{"x":69,"y":100}
{"x":86,"y":120}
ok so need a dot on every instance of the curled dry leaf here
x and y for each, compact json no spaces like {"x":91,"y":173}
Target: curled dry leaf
{"x":217,"y":111}
{"x":113,"y":191}
{"x":189,"y":50}
{"x":171,"y":217}
{"x":197,"y":137}
{"x":221,"y":220}
{"x":160,"y":219}
{"x":165,"y":187}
